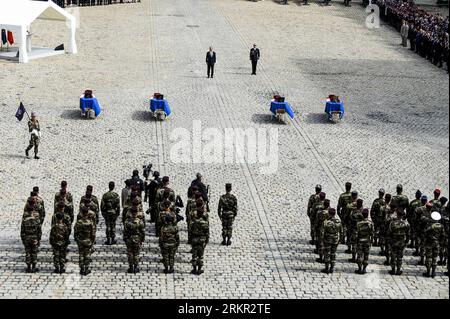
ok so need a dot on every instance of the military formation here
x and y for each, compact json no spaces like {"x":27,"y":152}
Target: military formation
{"x":164,"y":211}
{"x":392,"y":223}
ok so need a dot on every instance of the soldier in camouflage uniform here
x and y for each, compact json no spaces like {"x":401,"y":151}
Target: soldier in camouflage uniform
{"x":84,"y":233}
{"x":110,"y":207}
{"x":348,"y":221}
{"x":31,"y":233}
{"x":38,"y":202}
{"x":384,"y":211}
{"x":163,"y":194}
{"x":375,"y":214}
{"x":227,"y":211}
{"x":33,"y":124}
{"x":424,"y":221}
{"x":31,"y":201}
{"x":344,"y":200}
{"x":435,"y":201}
{"x":313,"y":199}
{"x":95,"y":207}
{"x":321,"y":216}
{"x":88,"y":208}
{"x":398,"y":234}
{"x":200,"y":238}
{"x":410,"y":216}
{"x":389,"y":214}
{"x":67,"y":219}
{"x":443,"y":253}
{"x":318,"y":206}
{"x":169,"y":240}
{"x":191,"y":208}
{"x":434,"y":239}
{"x":418,"y":212}
{"x":400,"y":200}
{"x":355,"y":217}
{"x":134,"y":236}
{"x":62,"y":197}
{"x":330,"y":236}
{"x":365,"y":231}
{"x":59,"y":240}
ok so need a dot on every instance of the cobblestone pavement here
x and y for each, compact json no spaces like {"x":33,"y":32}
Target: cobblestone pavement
{"x":395,"y":131}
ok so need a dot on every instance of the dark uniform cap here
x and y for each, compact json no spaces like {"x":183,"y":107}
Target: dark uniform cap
{"x":36,"y":189}
{"x":61,"y":205}
{"x":135,"y":172}
{"x":111,"y":184}
{"x":322,"y":195}
{"x":228,"y":185}
{"x":165,"y":179}
{"x":326,"y":201}
{"x":348,"y":184}
{"x":381,"y":191}
{"x":319,"y":187}
{"x":424,"y":198}
{"x":399,"y":186}
{"x":332,"y":211}
{"x":63,"y":184}
{"x":89,"y":188}
{"x":418,"y":192}
{"x":156,"y":174}
{"x":365,"y":212}
{"x":354,"y":193}
{"x":359,"y":201}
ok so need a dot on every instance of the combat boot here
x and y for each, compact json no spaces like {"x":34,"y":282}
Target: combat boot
{"x":34,"y":268}
{"x":108,"y":241}
{"x":446,"y":273}
{"x":57,"y":270}
{"x":359,"y":270}
{"x":27,"y":153}
{"x":171,"y":271}
{"x":87,"y":271}
{"x":136,"y":269}
{"x":224,"y":241}
{"x":82,"y":271}
{"x":392,"y":271}
{"x":229,"y":241}
{"x":320,"y":259}
{"x":331,"y":268}
{"x":194,"y":270}
{"x":387,"y":262}
{"x":349,"y":250}
{"x":36,"y":157}
{"x":421,"y":261}
{"x":113,"y":241}
{"x":364,"y":269}
{"x":399,"y":271}
{"x":62,"y":269}
{"x":130,"y":269}
{"x":326,"y":270}
{"x":427,"y":273}
{"x":312,"y":242}
{"x":433,"y":271}
{"x":200,"y":271}
{"x":416,"y":253}
{"x":28,"y":270}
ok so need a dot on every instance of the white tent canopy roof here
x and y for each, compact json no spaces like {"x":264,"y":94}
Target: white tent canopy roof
{"x":21,"y":13}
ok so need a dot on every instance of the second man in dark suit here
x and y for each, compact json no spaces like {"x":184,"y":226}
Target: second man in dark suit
{"x":210,"y":61}
{"x":254,"y":57}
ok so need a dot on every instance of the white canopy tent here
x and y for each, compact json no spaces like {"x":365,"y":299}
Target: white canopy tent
{"x":18,"y":15}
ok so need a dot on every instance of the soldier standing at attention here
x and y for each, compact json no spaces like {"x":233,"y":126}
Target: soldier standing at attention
{"x":63,"y":194}
{"x":400,"y":200}
{"x":347,"y":220}
{"x":435,"y":201}
{"x":316,"y":208}
{"x":355,"y":217}
{"x":434,"y":239}
{"x":398,"y":234}
{"x":110,"y":207}
{"x":375,"y":214}
{"x":344,"y":200}
{"x":331,"y":232}
{"x":424,"y":221}
{"x":364,"y":237}
{"x":418,"y":212}
{"x":410,"y":216}
{"x":67,"y":219}
{"x":311,"y":203}
{"x":85,"y":238}
{"x":169,"y":240}
{"x":35,"y":130}
{"x":190,"y":207}
{"x":59,"y":240}
{"x":321,"y":216}
{"x":200,"y":238}
{"x":95,"y":204}
{"x":31,"y":233}
{"x":384,"y":210}
{"x":39,"y":203}
{"x":254,"y":57}
{"x":227,"y":211}
{"x":134,"y":236}
{"x":32,"y":201}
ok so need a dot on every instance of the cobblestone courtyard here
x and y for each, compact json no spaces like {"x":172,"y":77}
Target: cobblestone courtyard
{"x":395,"y":131}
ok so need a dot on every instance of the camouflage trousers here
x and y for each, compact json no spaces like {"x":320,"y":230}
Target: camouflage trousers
{"x":312,"y":222}
{"x":376,"y":230}
{"x":227,"y":227}
{"x":422,"y":245}
{"x":363,"y":252}
{"x":34,"y":142}
{"x":198,"y":249}
{"x":168,"y":252}
{"x":59,"y":255}
{"x":329,"y":253}
{"x":133,"y":252}
{"x":396,"y":253}
{"x":319,"y":243}
{"x":349,"y":235}
{"x":110,"y":223}
{"x":31,"y":251}
{"x":431,"y":253}
{"x":84,"y":255}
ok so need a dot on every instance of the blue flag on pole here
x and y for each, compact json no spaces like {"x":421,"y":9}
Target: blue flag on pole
{"x":20,"y":112}
{"x":4,"y":38}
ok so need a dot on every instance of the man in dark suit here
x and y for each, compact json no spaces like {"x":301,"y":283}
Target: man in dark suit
{"x":210,"y":61}
{"x":254,"y":57}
